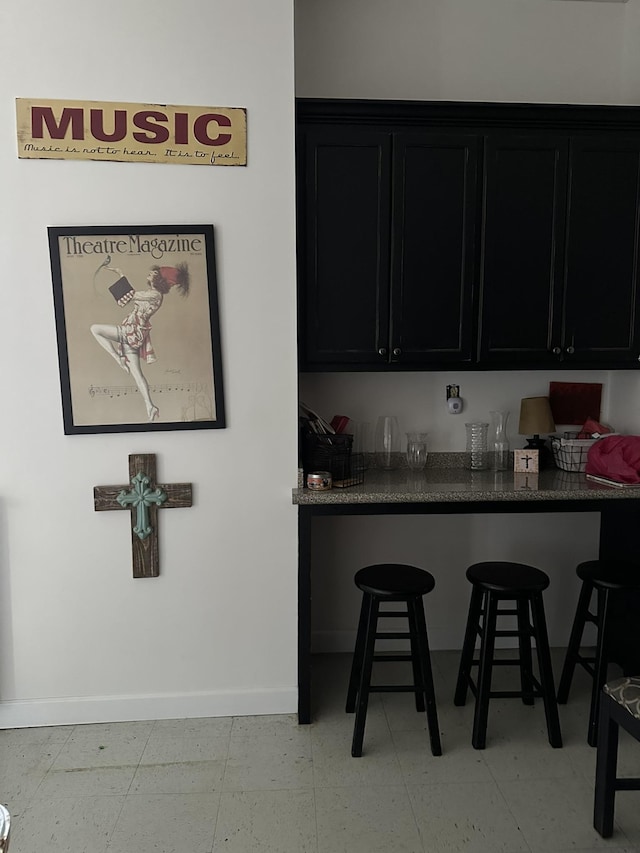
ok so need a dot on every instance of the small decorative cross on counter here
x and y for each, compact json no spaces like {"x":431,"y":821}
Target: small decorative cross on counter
{"x":143,"y":497}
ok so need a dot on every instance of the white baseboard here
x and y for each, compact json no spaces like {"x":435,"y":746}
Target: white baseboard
{"x":114,"y":709}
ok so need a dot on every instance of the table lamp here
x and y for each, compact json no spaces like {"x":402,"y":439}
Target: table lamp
{"x":536,"y":418}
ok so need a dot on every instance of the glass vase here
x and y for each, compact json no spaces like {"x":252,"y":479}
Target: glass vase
{"x":417,"y":451}
{"x":477,"y":457}
{"x":499,"y":443}
{"x":387,"y":442}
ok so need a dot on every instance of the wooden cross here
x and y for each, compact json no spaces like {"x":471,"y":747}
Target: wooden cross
{"x":143,"y":498}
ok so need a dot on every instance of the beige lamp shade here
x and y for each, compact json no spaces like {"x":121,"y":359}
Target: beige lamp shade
{"x":535,"y":416}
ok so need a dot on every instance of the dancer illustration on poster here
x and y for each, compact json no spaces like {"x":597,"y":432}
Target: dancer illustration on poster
{"x":130,"y":342}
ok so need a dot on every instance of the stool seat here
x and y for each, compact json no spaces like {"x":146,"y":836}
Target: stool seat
{"x":504,"y":576}
{"x":493,"y":583}
{"x":394,"y":580}
{"x":610,"y":574}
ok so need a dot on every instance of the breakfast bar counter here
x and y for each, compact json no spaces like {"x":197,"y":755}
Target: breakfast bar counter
{"x":445,"y":487}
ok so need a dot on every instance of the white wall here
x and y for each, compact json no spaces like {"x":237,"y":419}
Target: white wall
{"x":477,"y":50}
{"x":80,"y":640}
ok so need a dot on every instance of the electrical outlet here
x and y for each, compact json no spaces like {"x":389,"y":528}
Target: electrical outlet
{"x":454,"y":402}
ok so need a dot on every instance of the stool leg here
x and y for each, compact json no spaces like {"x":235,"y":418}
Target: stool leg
{"x":606,"y":769}
{"x":546,"y":670}
{"x":575,"y":638}
{"x":487,"y":650}
{"x":356,"y":664}
{"x":424,"y":659}
{"x":524,"y":645}
{"x":468,"y":646}
{"x":601,"y":664}
{"x":416,"y":652}
{"x":365,"y":676}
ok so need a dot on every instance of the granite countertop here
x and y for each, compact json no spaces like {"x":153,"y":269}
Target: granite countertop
{"x":450,"y":483}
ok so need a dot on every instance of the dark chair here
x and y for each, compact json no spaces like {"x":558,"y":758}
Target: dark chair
{"x":493,"y":583}
{"x":610,"y":580}
{"x":619,"y":706}
{"x":392,"y":582}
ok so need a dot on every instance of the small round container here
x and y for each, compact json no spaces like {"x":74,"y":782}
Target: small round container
{"x":319,"y":481}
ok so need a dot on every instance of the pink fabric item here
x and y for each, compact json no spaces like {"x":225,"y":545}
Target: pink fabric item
{"x":616,"y":457}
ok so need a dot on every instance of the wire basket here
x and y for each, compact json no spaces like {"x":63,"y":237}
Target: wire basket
{"x":333,"y":453}
{"x":570,"y":454}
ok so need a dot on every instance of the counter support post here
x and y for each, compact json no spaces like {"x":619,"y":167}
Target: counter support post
{"x":304,"y":615}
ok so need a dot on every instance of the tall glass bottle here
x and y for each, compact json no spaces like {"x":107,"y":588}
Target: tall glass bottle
{"x":499,"y":443}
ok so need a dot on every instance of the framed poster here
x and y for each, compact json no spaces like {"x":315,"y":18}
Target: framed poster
{"x":137,"y":322}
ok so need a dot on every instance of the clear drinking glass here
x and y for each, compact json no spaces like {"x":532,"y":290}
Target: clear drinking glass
{"x":387,"y":442}
{"x":417,"y":450}
{"x":477,"y":452}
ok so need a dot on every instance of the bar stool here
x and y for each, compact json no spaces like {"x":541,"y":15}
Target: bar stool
{"x":492,"y":583}
{"x":392,"y":582}
{"x":607,"y":578}
{"x":619,"y":706}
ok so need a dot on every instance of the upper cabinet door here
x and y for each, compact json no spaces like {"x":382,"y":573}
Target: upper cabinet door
{"x":522,"y":250}
{"x":433,"y":244}
{"x":601,"y":302}
{"x":344,"y":208}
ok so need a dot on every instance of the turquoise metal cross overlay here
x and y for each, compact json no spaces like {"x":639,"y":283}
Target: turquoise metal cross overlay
{"x":141,"y":497}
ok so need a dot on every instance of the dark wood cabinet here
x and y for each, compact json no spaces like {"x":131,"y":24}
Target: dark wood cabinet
{"x":475,"y":236}
{"x":600,"y":320}
{"x":558,"y":281}
{"x":521,"y":268}
{"x":387,"y":243}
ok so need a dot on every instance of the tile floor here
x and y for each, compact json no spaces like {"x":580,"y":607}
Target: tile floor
{"x":265,"y":784}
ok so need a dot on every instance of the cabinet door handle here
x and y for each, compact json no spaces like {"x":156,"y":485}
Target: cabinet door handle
{"x":382,"y":351}
{"x":571,"y":350}
{"x":397,"y":351}
{"x":556,"y":351}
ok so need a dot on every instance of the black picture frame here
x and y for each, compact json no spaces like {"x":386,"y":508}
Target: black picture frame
{"x":103,"y":308}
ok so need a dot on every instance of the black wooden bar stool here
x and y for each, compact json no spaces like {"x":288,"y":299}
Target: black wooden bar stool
{"x":610,"y":580}
{"x":397,"y":583}
{"x":492,"y":583}
{"x":619,"y":706}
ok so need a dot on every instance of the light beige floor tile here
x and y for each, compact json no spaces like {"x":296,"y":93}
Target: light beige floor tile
{"x":269,"y":768}
{"x":66,"y":825}
{"x":420,"y":767}
{"x":266,"y":822}
{"x":333,"y":765}
{"x":196,"y":727}
{"x":102,"y":732}
{"x":113,"y":754}
{"x":554,"y":814}
{"x":521,"y":761}
{"x":269,"y":725}
{"x":39,"y":735}
{"x":374,"y":819}
{"x":166,"y":823}
{"x":86,"y":782}
{"x":103,"y":746}
{"x":23,"y":768}
{"x":268,"y":753}
{"x":189,"y":777}
{"x":161,"y":749}
{"x":466,"y":816}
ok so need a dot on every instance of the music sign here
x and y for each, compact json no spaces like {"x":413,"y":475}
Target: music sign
{"x":131,"y":133}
